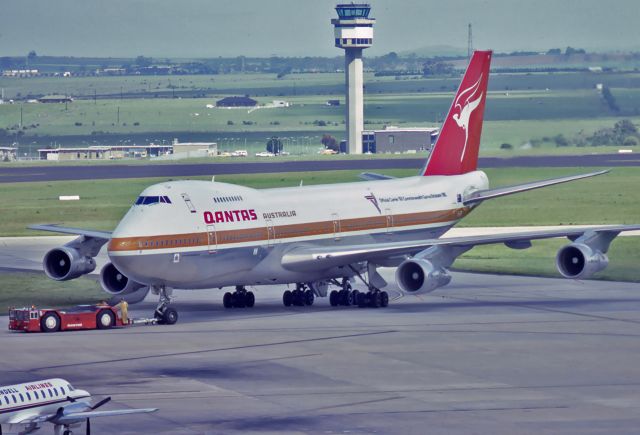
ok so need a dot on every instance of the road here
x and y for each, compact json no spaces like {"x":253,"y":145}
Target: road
{"x":59,"y":172}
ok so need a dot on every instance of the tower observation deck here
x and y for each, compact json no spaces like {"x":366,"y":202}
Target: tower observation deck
{"x":353,"y":31}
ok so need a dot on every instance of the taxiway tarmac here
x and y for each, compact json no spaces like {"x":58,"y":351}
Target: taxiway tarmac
{"x":486,"y":354}
{"x":57,"y":172}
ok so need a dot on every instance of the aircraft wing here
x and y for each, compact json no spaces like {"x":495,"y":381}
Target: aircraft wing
{"x":481,"y":195}
{"x":370,"y":176}
{"x":307,"y":257}
{"x":76,"y":417}
{"x":104,"y":235}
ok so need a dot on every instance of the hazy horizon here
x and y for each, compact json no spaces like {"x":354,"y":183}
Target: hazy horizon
{"x":259,"y":28}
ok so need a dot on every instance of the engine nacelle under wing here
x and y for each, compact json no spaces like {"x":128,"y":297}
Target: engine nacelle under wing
{"x":65,"y":263}
{"x":115,"y":282}
{"x":417,"y":275}
{"x":580,"y":261}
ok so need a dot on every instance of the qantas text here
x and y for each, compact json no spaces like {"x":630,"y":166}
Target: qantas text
{"x":216,"y":217}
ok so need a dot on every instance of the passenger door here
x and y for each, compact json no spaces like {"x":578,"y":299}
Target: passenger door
{"x":212,"y":239}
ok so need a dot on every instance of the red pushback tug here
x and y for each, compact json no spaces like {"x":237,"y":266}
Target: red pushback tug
{"x":34,"y":319}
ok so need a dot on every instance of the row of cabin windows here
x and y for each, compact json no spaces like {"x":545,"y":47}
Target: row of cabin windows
{"x":148,"y":200}
{"x":167,"y":243}
{"x":37,"y":395}
{"x":221,"y":199}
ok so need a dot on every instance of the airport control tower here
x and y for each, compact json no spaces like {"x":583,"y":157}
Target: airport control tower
{"x":353,"y":30}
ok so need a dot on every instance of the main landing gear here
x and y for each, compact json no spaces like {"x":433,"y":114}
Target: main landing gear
{"x":165,"y":314}
{"x":299,"y":297}
{"x":346,"y":296}
{"x":240,"y":298}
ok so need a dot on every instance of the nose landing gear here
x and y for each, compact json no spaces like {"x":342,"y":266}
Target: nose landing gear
{"x":165,"y":314}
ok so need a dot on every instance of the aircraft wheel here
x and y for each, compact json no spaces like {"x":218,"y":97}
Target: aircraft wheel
{"x":105,"y":319}
{"x":334,"y":298}
{"x":309,"y":297}
{"x":298,"y":298}
{"x":249,"y":299}
{"x":238,"y":300}
{"x":170,"y":316}
{"x":346,"y":298}
{"x":355,"y":295}
{"x":384,"y":299}
{"x":287,"y":298}
{"x":50,"y":322}
{"x":376,"y":299}
{"x":362,"y":300}
{"x":227,"y":300}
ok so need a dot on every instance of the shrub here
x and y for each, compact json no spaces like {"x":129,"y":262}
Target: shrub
{"x":506,"y":146}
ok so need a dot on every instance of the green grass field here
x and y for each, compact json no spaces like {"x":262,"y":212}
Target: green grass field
{"x":608,"y":199}
{"x":20,"y":289}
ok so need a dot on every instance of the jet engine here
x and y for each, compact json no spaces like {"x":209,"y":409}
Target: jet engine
{"x":417,"y":275}
{"x":115,"y":282}
{"x":65,"y":263}
{"x":580,"y":261}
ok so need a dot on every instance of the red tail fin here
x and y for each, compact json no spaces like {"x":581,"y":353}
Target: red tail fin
{"x":456,"y":150}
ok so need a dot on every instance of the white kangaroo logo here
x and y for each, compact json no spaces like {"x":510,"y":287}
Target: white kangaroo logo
{"x":466,"y":105}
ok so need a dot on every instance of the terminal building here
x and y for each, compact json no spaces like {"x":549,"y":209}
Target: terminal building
{"x":175,"y":150}
{"x":399,"y":140}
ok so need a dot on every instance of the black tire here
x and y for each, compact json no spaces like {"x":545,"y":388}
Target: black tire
{"x":249,"y":299}
{"x":384,"y":301}
{"x":287,"y":298}
{"x":346,"y":298}
{"x":309,"y":297}
{"x":238,"y":300}
{"x":227,"y":300}
{"x":170,"y":316}
{"x":298,"y":298}
{"x":50,"y":322}
{"x":355,"y":294}
{"x":362,"y":300}
{"x":105,"y":319}
{"x":334,"y":298}
{"x":376,"y":299}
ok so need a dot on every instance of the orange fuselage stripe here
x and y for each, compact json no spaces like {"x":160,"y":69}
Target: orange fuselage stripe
{"x":279,"y":232}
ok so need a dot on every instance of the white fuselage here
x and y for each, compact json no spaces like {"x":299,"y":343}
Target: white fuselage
{"x":23,"y":401}
{"x":197,"y":234}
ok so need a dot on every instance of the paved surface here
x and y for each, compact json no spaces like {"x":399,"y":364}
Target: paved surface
{"x":57,"y":172}
{"x":488,"y":354}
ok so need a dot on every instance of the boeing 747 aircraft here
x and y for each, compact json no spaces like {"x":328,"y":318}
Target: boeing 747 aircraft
{"x":53,"y":401}
{"x":199,"y":234}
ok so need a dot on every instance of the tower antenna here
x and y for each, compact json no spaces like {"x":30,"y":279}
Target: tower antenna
{"x":470,"y":45}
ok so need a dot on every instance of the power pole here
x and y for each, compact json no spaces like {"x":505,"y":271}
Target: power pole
{"x":470,"y":45}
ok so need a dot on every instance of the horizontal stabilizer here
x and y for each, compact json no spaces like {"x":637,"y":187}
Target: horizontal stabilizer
{"x":482,"y":195}
{"x":371,"y":176}
{"x":77,"y":417}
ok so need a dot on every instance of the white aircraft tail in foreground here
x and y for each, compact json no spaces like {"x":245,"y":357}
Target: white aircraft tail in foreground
{"x":199,"y":234}
{"x":53,"y":401}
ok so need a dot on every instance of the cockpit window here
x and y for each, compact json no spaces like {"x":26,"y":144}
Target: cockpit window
{"x":149,"y":200}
